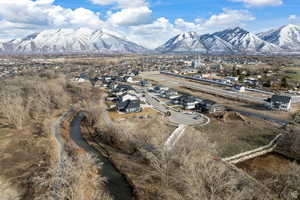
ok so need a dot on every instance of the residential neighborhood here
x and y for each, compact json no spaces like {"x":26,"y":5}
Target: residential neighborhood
{"x":150,"y":100}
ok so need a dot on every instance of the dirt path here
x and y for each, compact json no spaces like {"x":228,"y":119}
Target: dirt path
{"x":56,"y":131}
{"x":174,"y":137}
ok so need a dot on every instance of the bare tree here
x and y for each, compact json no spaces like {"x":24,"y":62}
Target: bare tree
{"x":286,"y":186}
{"x":191,"y":172}
{"x":76,"y":179}
{"x":12,"y":106}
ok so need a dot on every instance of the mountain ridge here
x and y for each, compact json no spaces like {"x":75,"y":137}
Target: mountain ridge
{"x":283,"y":40}
{"x":80,"y":40}
{"x":287,"y":37}
{"x":236,"y":41}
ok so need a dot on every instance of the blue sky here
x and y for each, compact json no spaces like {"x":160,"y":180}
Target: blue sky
{"x":147,"y":22}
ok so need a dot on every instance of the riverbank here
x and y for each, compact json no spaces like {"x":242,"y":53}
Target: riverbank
{"x":127,"y":163}
{"x":115,"y":183}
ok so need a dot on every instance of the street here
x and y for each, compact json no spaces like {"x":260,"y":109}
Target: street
{"x":170,"y":82}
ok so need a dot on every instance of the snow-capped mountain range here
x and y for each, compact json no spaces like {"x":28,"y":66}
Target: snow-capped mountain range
{"x":284,"y":40}
{"x":287,"y":37}
{"x":80,"y":40}
{"x":237,"y":41}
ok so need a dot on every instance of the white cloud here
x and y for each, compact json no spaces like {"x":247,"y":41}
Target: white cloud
{"x":134,"y":20}
{"x":154,"y":34}
{"x":44,"y":13}
{"x":131,"y":16}
{"x":258,"y":3}
{"x":229,"y":18}
{"x":292,"y":17}
{"x":121,"y":3}
{"x":189,"y":26}
{"x":11,"y":30}
{"x":31,"y":16}
{"x":158,"y":32}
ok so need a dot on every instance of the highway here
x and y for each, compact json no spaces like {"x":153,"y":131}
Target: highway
{"x":215,"y":82}
{"x":225,"y":93}
{"x":207,"y":89}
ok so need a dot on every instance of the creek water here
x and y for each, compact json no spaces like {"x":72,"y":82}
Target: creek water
{"x":116,"y":184}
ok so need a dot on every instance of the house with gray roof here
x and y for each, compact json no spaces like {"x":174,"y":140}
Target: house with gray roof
{"x":281,"y":102}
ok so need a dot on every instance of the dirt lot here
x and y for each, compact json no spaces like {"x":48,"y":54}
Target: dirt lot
{"x":234,"y":135}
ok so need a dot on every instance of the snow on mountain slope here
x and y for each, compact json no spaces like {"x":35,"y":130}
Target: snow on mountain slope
{"x":246,"y":42}
{"x":1,"y":46}
{"x":2,"y":41}
{"x":185,"y":42}
{"x":72,"y":41}
{"x":215,"y":44}
{"x":229,"y":41}
{"x":287,"y":37}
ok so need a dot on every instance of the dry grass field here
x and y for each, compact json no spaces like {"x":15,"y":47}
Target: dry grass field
{"x":145,"y":112}
{"x":23,"y":154}
{"x":233,"y":136}
{"x":152,"y":130}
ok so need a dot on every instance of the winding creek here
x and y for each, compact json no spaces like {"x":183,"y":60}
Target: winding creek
{"x":117,"y":184}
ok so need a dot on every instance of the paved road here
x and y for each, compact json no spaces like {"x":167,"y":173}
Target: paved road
{"x":208,"y":89}
{"x":172,"y":82}
{"x":215,"y":82}
{"x":225,"y":93}
{"x":176,"y":117}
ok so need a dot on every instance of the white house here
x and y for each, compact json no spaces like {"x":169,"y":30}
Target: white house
{"x":232,"y":78}
{"x":79,"y":79}
{"x":281,"y":102}
{"x":239,"y":88}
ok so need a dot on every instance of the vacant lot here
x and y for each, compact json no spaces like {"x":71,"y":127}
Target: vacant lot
{"x":233,"y":136}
